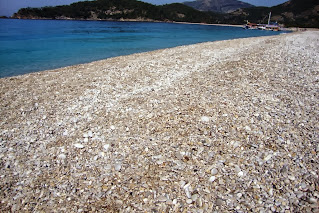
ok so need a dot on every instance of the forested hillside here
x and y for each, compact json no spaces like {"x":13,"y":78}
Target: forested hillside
{"x":294,"y":13}
{"x":117,"y":10}
{"x":221,"y":6}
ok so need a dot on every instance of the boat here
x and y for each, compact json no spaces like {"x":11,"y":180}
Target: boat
{"x":269,"y":26}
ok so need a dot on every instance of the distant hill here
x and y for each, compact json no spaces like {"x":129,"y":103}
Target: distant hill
{"x":294,"y":13}
{"x":221,"y":6}
{"x":116,"y":10}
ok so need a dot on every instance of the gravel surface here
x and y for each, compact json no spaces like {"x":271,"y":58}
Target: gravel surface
{"x":227,"y":126}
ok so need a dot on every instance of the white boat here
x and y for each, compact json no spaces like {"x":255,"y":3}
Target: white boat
{"x":269,"y":26}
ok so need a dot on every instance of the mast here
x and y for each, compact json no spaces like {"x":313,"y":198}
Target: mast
{"x":269,"y":18}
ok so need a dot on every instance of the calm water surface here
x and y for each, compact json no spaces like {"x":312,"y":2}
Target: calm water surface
{"x":35,"y":45}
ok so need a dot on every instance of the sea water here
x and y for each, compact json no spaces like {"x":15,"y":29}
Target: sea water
{"x":35,"y":45}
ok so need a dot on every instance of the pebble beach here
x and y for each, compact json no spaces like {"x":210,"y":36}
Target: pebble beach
{"x":226,"y":126}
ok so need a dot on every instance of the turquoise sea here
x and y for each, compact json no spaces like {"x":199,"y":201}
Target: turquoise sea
{"x":35,"y":45}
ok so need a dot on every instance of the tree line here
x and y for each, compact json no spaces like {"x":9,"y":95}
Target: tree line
{"x":297,"y":13}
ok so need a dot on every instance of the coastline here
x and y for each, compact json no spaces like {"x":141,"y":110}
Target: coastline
{"x":217,"y":126}
{"x":129,"y":20}
{"x":222,"y":25}
{"x":292,"y":29}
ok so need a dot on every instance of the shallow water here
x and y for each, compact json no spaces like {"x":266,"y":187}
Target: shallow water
{"x":35,"y":45}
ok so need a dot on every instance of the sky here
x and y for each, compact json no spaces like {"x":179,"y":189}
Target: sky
{"x":8,"y":7}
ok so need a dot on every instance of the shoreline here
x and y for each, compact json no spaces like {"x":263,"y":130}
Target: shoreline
{"x":228,"y":125}
{"x":222,"y":25}
{"x":292,"y":29}
{"x":128,"y":20}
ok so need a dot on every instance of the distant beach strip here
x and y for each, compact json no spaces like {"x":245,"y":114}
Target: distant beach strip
{"x":226,"y":126}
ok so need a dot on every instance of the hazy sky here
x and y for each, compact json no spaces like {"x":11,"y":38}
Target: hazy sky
{"x":8,"y":7}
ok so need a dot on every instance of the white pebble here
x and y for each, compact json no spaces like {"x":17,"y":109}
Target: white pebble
{"x":188,"y":194}
{"x":239,"y":195}
{"x":117,"y":166}
{"x":237,"y":169}
{"x":235,"y":144}
{"x":189,"y":201}
{"x":187,"y":186}
{"x":108,"y":167}
{"x":313,"y":200}
{"x":182,"y":183}
{"x":162,"y":198}
{"x":90,"y":134}
{"x":194,"y":197}
{"x":62,"y":156}
{"x":187,"y":190}
{"x":268,"y":157}
{"x":112,"y":127}
{"x":212,"y":179}
{"x":77,"y":145}
{"x":65,"y":133}
{"x":106,"y":147}
{"x":292,"y":178}
{"x":204,"y":119}
{"x":241,"y":173}
{"x":86,"y":140}
{"x":271,"y":192}
{"x":85,"y":135}
{"x":119,"y":202}
{"x":214,"y":171}
{"x":174,"y":201}
{"x":160,"y":161}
